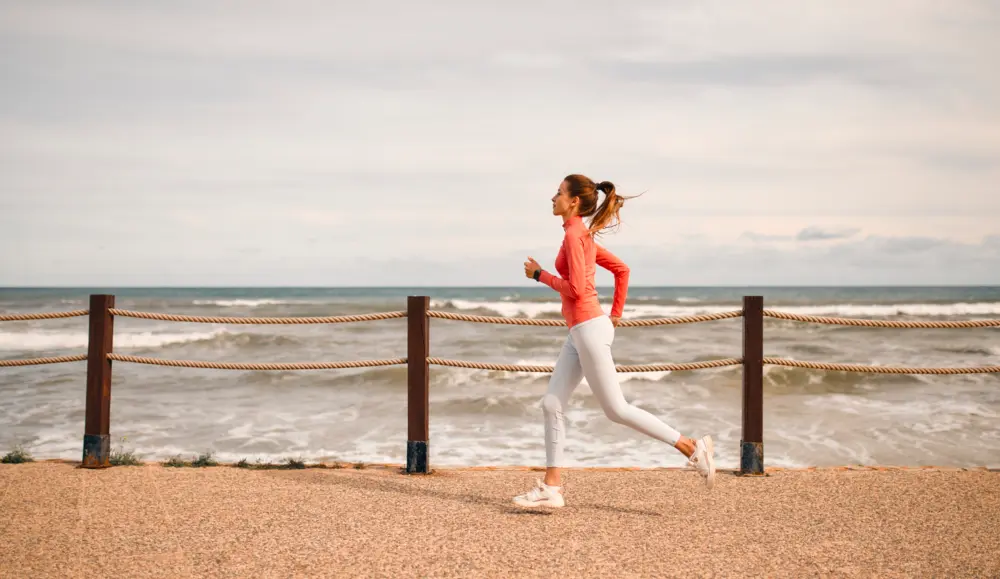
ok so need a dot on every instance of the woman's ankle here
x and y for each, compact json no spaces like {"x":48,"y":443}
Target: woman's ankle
{"x":686,"y":446}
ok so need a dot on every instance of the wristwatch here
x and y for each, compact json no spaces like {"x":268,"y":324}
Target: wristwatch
{"x":537,"y":274}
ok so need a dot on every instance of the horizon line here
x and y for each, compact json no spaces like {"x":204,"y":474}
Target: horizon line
{"x":631,"y":286}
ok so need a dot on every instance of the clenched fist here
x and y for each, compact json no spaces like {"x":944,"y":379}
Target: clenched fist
{"x":530,"y":267}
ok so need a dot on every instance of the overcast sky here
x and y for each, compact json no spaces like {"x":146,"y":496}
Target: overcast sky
{"x":399,"y":143}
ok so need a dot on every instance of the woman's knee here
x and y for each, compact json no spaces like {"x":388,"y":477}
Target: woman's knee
{"x":551,"y":404}
{"x":617,"y":411}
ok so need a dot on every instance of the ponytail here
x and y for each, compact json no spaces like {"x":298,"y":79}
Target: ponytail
{"x":607,"y":214}
{"x":603,"y":216}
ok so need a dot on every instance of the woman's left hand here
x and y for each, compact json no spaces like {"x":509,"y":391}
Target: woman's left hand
{"x":615,"y":320}
{"x":530,"y":267}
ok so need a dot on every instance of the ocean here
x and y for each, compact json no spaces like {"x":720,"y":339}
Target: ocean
{"x":811,"y":418}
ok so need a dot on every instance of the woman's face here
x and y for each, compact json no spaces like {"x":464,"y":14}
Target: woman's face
{"x":562,"y":203}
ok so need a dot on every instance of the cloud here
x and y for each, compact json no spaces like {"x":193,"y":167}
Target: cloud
{"x":873,"y":260}
{"x":773,"y":70}
{"x":905,"y":245}
{"x":816,"y":233}
{"x":763,"y":237}
{"x":812,"y":233}
{"x":441,"y":133}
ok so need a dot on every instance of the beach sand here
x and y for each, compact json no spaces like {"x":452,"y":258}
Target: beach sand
{"x":151,"y":521}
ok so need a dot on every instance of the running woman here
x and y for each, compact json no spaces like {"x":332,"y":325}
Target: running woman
{"x":587,"y":350}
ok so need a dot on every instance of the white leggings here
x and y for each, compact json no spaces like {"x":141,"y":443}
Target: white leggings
{"x":587,"y":352}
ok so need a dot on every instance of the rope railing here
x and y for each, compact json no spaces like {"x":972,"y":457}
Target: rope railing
{"x":880,"y":323}
{"x":637,"y":368}
{"x":556,"y":323}
{"x":418,"y":360}
{"x":42,"y":316}
{"x":258,"y":365}
{"x":38,"y":361}
{"x":879,"y":369}
{"x":246,"y":320}
{"x":620,"y":368}
{"x":859,"y":322}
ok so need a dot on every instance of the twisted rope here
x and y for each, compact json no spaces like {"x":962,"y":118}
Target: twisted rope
{"x":682,"y":319}
{"x":623,"y":323}
{"x":258,"y":366}
{"x":34,"y":361}
{"x":546,"y":369}
{"x":45,"y":316}
{"x":242,"y":320}
{"x":880,"y":323}
{"x":493,"y":319}
{"x":880,"y":369}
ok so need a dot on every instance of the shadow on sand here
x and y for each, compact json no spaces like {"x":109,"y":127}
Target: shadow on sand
{"x":413,"y":487}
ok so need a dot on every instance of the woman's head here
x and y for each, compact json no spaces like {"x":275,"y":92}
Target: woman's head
{"x":578,"y":195}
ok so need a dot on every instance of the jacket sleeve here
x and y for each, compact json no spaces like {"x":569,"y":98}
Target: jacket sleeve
{"x":617,"y":267}
{"x":576,"y":261}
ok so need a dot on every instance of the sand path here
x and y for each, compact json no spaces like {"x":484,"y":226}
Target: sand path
{"x":152,"y":521}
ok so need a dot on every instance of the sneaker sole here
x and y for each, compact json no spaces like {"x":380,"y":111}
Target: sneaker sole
{"x":545,"y":505}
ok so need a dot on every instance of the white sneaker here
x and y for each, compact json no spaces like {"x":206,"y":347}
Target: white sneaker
{"x":542,"y":495}
{"x":703,"y":459}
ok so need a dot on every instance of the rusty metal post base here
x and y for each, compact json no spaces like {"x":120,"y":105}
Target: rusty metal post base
{"x":416,"y":456}
{"x":96,"y":450}
{"x":751,"y":458}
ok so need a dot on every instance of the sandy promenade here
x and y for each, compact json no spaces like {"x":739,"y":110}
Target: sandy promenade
{"x":152,"y":521}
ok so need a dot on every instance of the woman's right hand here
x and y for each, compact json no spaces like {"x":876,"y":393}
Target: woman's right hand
{"x":530,"y":267}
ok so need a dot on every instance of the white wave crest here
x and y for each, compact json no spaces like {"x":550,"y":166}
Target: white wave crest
{"x":241,"y":303}
{"x":622,"y":376}
{"x":27,"y":341}
{"x":535,"y":309}
{"x":858,"y":310}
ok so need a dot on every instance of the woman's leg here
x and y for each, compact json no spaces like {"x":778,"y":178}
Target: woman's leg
{"x":566,"y":376}
{"x":593,"y":343}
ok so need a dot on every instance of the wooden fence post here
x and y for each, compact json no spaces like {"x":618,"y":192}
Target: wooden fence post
{"x":752,"y":443}
{"x":418,"y":384}
{"x":96,"y":431}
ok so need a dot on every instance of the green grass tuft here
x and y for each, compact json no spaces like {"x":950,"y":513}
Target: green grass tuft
{"x":292,"y":463}
{"x":122,"y":457}
{"x":286,"y":464}
{"x":17,"y":456}
{"x":175,"y":461}
{"x":205,"y":460}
